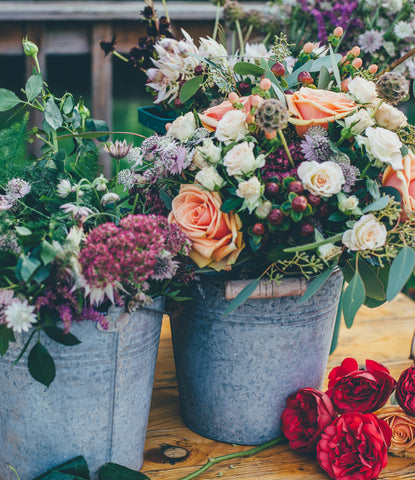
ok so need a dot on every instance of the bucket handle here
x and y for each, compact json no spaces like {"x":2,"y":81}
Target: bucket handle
{"x":116,"y":324}
{"x":267,"y":289}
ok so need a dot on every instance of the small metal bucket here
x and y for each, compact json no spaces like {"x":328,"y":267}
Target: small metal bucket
{"x":97,"y":406}
{"x":235,"y":373}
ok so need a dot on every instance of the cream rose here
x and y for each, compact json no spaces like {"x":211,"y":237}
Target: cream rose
{"x":359,"y":121}
{"x":216,"y":237}
{"x":348,"y":204}
{"x":183,"y":127}
{"x":390,"y":117}
{"x":263,"y":210}
{"x":232,"y":127}
{"x":240,"y":160}
{"x":403,"y":430}
{"x":207,"y":152}
{"x":383,"y":145}
{"x":363,"y":91}
{"x":251,"y":191}
{"x":323,"y":179}
{"x":210,"y":179}
{"x":367,"y":234}
{"x":328,"y":251}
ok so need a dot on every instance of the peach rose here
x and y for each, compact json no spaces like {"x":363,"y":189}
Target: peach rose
{"x":317,"y":107}
{"x":403,"y":430}
{"x":404,"y":181}
{"x":216,"y":237}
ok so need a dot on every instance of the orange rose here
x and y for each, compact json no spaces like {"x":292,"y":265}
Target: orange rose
{"x":317,"y":107}
{"x":404,"y":181}
{"x":403,"y":430}
{"x":216,"y":236}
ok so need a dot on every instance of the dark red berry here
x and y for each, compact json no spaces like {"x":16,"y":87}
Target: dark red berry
{"x":288,"y":92}
{"x":306,"y":229}
{"x":244,"y":87}
{"x":275,"y":217}
{"x":296,"y":187}
{"x":178,"y":103}
{"x":313,"y":200}
{"x":323,"y":210}
{"x":199,"y":70}
{"x":305,"y":77}
{"x":258,"y":229}
{"x":299,"y":203}
{"x":272,"y":189}
{"x":278,"y":69}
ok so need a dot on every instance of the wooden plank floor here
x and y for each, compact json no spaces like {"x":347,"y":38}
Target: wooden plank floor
{"x":383,"y":335}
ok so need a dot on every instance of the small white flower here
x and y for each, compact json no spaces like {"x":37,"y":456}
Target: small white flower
{"x":17,"y":188}
{"x":390,"y":48}
{"x":322,"y":179}
{"x":393,"y":6}
{"x":251,"y":191}
{"x":20,"y":315}
{"x":348,"y":204}
{"x":64,"y":188}
{"x":231,"y":127}
{"x":359,"y":121}
{"x":210,"y":179}
{"x":363,"y":91}
{"x":383,"y":145}
{"x":135,"y":157}
{"x":390,"y":117}
{"x":367,"y":234}
{"x":183,"y":127}
{"x":328,"y":251}
{"x":6,"y":202}
{"x":77,"y":211}
{"x":240,"y":160}
{"x":109,"y":197}
{"x":100,"y":183}
{"x":208,"y":152}
{"x":403,"y":30}
{"x":262,"y":211}
{"x":213,"y":50}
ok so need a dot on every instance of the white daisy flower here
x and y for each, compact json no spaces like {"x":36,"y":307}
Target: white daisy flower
{"x":20,"y":316}
{"x":403,"y":30}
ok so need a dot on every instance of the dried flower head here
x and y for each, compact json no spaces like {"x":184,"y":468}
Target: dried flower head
{"x":118,"y":149}
{"x":271,"y":115}
{"x":316,"y":145}
{"x":232,"y":12}
{"x":392,"y":87}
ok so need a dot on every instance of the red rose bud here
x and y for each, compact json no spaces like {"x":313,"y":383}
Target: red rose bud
{"x":299,"y":204}
{"x":296,"y":187}
{"x":360,"y":390}
{"x":278,"y":69}
{"x":258,"y":229}
{"x":354,"y":446}
{"x":313,"y":200}
{"x":405,"y":390}
{"x":275,"y":217}
{"x":307,"y":414}
{"x":272,"y":189}
{"x":305,"y":77}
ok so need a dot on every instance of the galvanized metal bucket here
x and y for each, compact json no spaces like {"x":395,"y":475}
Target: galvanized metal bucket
{"x":97,"y":406}
{"x":235,"y":373}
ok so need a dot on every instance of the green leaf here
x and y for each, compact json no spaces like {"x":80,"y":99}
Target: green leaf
{"x":401,"y":269}
{"x":96,"y":126}
{"x":353,"y":298}
{"x":23,"y":231}
{"x":325,"y":62}
{"x":26,"y":267}
{"x":47,"y":252}
{"x":335,"y":68}
{"x":34,"y":86}
{"x":323,"y":78}
{"x":230,"y":204}
{"x":8,"y":100}
{"x":57,"y":334}
{"x":337,"y":323}
{"x":316,"y":284}
{"x":67,"y":104}
{"x":6,"y":336}
{"x":374,"y":288}
{"x":190,"y":88}
{"x":373,"y":188}
{"x":74,"y":469}
{"x":241,"y":297}
{"x":164,"y":197}
{"x":247,"y":68}
{"x":377,"y":205}
{"x":53,"y":116}
{"x":41,"y":365}
{"x":292,"y":79}
{"x":113,"y":471}
{"x":41,"y":274}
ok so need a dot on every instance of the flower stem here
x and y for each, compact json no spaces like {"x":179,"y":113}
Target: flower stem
{"x":376,"y":109}
{"x":121,"y":57}
{"x":287,"y":151}
{"x":215,"y":28}
{"x":224,"y":458}
{"x":165,"y":10}
{"x":240,"y":38}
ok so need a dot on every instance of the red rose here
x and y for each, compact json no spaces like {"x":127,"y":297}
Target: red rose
{"x":360,"y":390}
{"x":405,"y":390}
{"x":348,"y":365}
{"x":354,"y":446}
{"x":307,"y":414}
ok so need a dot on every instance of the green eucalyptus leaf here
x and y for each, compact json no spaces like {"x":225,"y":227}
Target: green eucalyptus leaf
{"x":34,"y":86}
{"x":41,"y":274}
{"x":325,"y":62}
{"x":113,"y":471}
{"x":53,"y":116}
{"x":6,"y":336}
{"x":241,"y":297}
{"x":401,"y":269}
{"x":316,"y":284}
{"x":230,"y":204}
{"x":41,"y":365}
{"x":247,"y":68}
{"x":353,"y":298}
{"x":323,"y":78}
{"x":377,"y":205}
{"x":8,"y":100}
{"x":23,"y":231}
{"x":190,"y":88}
{"x":26,"y":267}
{"x":47,"y":252}
{"x":292,"y":79}
{"x":335,"y":68}
{"x":57,"y":334}
{"x":74,"y":469}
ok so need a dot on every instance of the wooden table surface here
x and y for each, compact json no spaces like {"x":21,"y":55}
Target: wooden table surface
{"x":383,"y":334}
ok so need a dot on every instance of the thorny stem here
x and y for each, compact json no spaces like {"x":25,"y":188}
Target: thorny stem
{"x":224,"y":458}
{"x":287,"y":151}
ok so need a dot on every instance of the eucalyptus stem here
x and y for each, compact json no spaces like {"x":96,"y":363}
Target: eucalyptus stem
{"x":287,"y":151}
{"x":240,"y":38}
{"x":230,"y":456}
{"x":217,"y":18}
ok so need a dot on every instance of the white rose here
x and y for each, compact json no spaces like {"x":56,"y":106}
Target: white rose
{"x":210,"y":179}
{"x":367,"y":234}
{"x":383,"y":145}
{"x":183,"y":127}
{"x":328,"y":251}
{"x":207,"y":152}
{"x":251,"y":191}
{"x":322,"y":179}
{"x":263,"y":210}
{"x":348,"y":204}
{"x":364,"y":91}
{"x":359,"y":121}
{"x":231,"y":127}
{"x":240,"y":159}
{"x":388,"y":116}
{"x":109,"y":197}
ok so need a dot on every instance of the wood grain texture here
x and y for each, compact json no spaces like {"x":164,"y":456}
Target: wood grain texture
{"x":383,"y":334}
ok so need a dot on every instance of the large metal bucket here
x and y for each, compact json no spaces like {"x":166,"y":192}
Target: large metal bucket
{"x":97,"y":406}
{"x":235,"y":373}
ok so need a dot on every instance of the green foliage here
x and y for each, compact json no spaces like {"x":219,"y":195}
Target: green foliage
{"x":13,"y":150}
{"x":74,"y":469}
{"x":113,"y":471}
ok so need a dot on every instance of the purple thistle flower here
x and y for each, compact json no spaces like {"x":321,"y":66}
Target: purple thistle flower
{"x":351,"y":175}
{"x":316,"y":145}
{"x":370,"y":41}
